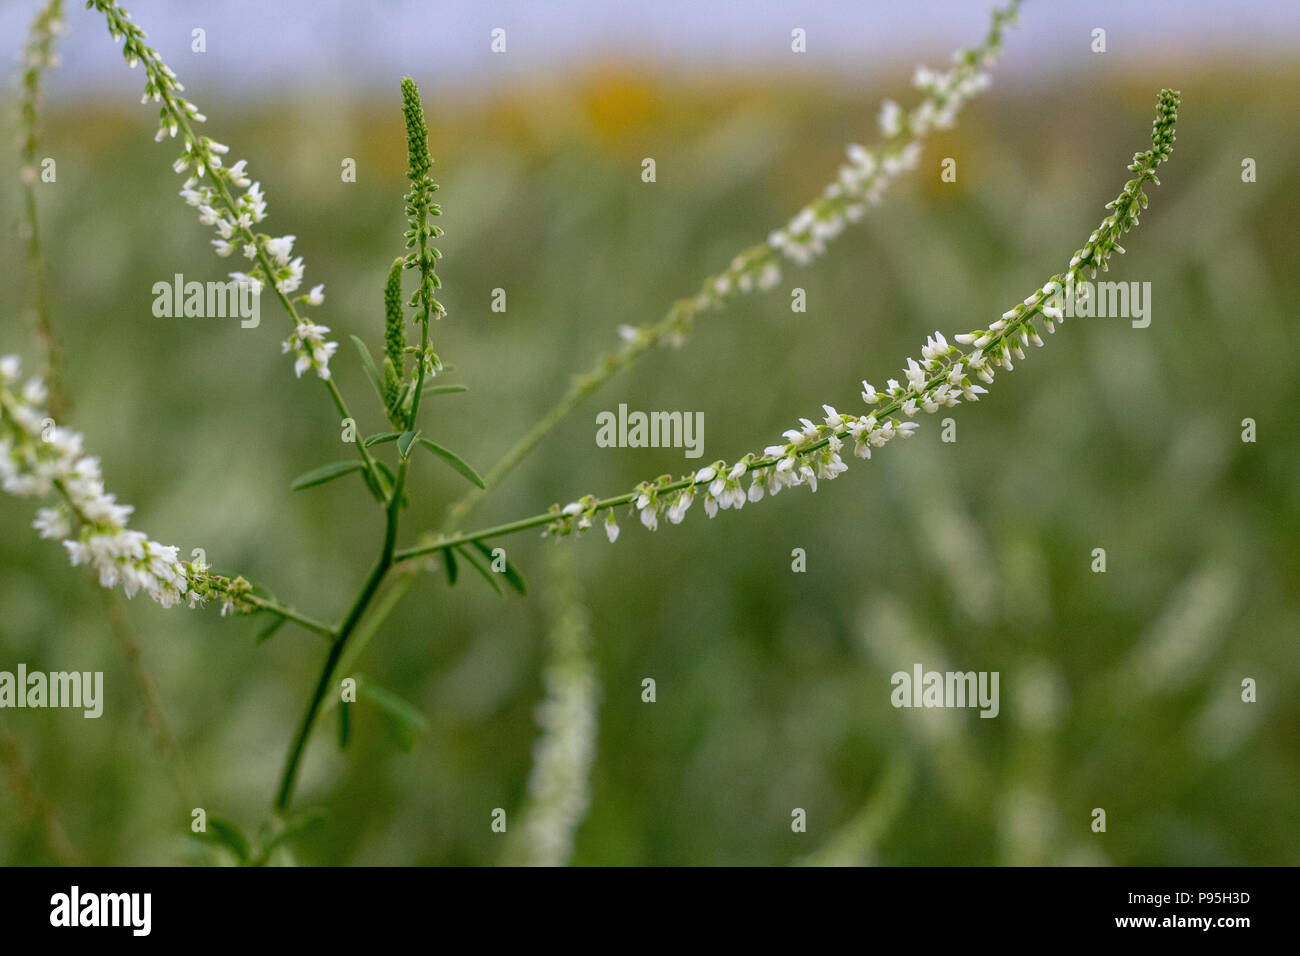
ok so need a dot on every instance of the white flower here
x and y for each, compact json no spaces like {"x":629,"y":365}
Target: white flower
{"x":250,"y":280}
{"x":52,"y":523}
{"x":291,"y":277}
{"x":236,"y":174}
{"x":891,"y":115}
{"x":279,"y":249}
{"x":312,"y":350}
{"x":681,"y":503}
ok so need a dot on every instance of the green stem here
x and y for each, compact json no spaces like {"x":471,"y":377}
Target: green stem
{"x":288,"y":779}
{"x":274,"y":607}
{"x":523,"y":524}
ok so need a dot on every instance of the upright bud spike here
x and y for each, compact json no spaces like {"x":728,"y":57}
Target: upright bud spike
{"x":417,"y":133}
{"x":394,"y":336}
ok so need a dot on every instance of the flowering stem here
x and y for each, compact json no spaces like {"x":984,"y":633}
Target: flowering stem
{"x":232,"y":207}
{"x":274,"y":607}
{"x":757,"y":266}
{"x":534,"y":521}
{"x":938,"y":382}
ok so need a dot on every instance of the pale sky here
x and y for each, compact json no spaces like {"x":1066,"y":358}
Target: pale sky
{"x":300,"y":45}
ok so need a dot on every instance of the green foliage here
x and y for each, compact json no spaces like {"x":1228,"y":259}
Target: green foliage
{"x":453,"y":459}
{"x":319,"y":476}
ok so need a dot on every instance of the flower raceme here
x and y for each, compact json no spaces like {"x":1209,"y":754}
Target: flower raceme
{"x":943,"y":377}
{"x":210,"y":187}
{"x":37,"y":458}
{"x":860,"y":184}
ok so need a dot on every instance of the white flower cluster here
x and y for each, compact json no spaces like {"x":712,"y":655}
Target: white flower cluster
{"x":232,"y":216}
{"x":38,"y":52}
{"x":37,"y":458}
{"x":810,"y":453}
{"x":38,"y":55}
{"x":942,"y":378}
{"x":312,"y":349}
{"x":558,"y":786}
{"x":861,"y":182}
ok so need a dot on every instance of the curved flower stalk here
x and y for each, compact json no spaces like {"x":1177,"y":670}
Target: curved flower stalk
{"x":558,"y":785}
{"x":37,"y":458}
{"x":861,"y":183}
{"x":943,"y":377}
{"x":38,"y":56}
{"x":233,"y":218}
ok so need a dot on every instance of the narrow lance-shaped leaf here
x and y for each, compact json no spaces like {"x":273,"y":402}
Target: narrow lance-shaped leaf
{"x":292,"y":828}
{"x":371,"y":369}
{"x":403,"y":719}
{"x":318,"y":476}
{"x":453,"y":459}
{"x":488,"y":576}
{"x":345,"y":725}
{"x":269,"y":629}
{"x":511,"y":573}
{"x":224,"y":833}
{"x":391,"y":479}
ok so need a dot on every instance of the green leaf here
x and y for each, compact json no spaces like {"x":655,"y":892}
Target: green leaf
{"x":345,"y":725}
{"x":511,"y":573}
{"x":373,"y":484}
{"x":405,"y":441}
{"x":371,"y":369}
{"x":224,"y":833}
{"x":453,"y":570}
{"x":444,"y":389}
{"x":292,"y":827}
{"x":269,"y":629}
{"x":318,"y":476}
{"x":380,"y":437}
{"x":451,"y":458}
{"x":487,"y":574}
{"x":403,"y":719}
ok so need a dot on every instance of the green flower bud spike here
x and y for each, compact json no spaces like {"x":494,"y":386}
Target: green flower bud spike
{"x":394,"y":340}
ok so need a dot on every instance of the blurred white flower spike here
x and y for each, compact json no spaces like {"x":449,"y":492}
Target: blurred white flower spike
{"x":38,"y":458}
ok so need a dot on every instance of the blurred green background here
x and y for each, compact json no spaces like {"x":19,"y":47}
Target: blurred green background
{"x":1118,"y":690}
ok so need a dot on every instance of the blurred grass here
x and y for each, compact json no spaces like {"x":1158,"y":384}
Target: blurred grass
{"x":1119,"y":691}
